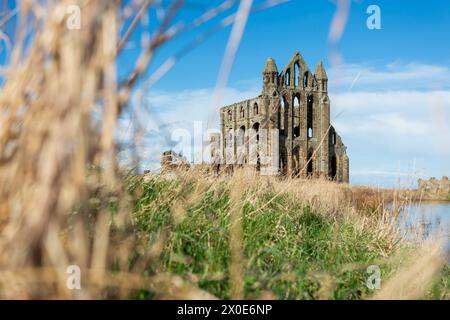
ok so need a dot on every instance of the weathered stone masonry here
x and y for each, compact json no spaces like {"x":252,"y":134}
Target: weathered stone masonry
{"x":294,"y":103}
{"x":435,"y":187}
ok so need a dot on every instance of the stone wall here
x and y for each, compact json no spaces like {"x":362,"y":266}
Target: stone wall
{"x":435,"y":187}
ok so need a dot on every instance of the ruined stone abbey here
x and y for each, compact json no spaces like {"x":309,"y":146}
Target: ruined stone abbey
{"x":286,"y":129}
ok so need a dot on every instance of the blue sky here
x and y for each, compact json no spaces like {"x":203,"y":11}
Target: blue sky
{"x":412,"y":31}
{"x":390,"y":95}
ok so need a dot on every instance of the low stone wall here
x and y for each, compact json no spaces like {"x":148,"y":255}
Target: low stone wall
{"x":435,"y":188}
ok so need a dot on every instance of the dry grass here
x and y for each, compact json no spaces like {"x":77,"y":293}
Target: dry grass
{"x":59,"y":177}
{"x":419,"y":270}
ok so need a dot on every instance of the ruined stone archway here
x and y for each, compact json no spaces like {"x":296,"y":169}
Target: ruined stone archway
{"x":253,"y":141}
{"x":241,"y":146}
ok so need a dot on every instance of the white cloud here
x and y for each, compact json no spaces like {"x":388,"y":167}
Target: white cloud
{"x":394,"y":76}
{"x":403,"y":121}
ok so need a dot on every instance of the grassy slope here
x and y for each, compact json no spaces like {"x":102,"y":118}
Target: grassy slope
{"x":291,"y":249}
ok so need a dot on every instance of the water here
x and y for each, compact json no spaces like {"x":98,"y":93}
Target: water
{"x":426,"y":219}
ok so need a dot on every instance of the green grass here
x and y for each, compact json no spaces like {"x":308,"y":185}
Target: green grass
{"x":290,"y":250}
{"x":441,"y":287}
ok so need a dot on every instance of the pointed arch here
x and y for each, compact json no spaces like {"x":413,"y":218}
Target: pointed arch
{"x":240,"y":137}
{"x":305,"y":79}
{"x":253,"y":141}
{"x":255,"y":128}
{"x":255,"y":109}
{"x":297,"y":101}
{"x":287,"y":77}
{"x":281,"y":111}
{"x":283,"y":115}
{"x":296,"y":73}
{"x":240,"y":144}
{"x":309,"y":116}
{"x":296,"y":115}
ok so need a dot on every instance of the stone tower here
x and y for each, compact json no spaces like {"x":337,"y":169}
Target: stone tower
{"x":286,"y":129}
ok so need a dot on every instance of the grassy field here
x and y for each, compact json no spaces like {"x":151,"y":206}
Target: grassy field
{"x":297,"y":239}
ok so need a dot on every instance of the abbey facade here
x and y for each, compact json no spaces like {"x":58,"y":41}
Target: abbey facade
{"x":286,"y":130}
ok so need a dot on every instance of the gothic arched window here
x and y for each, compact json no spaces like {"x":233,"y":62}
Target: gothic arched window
{"x":229,"y":138}
{"x":296,"y":101}
{"x":255,"y":109}
{"x":309,"y":116}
